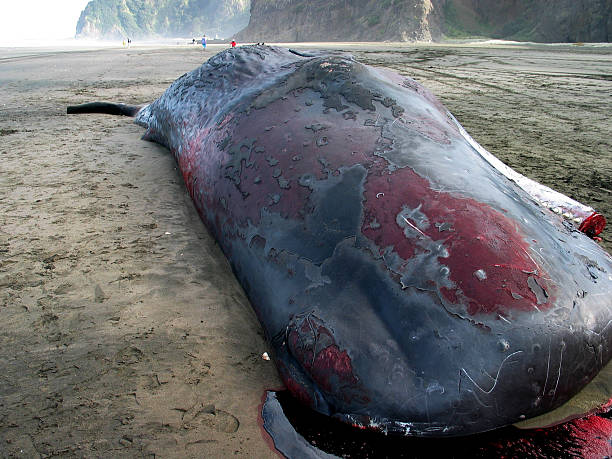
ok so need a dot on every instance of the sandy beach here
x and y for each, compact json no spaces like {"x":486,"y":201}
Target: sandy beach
{"x":125,"y":333}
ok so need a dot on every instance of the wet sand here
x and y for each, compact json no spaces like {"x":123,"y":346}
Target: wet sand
{"x":124,"y":332}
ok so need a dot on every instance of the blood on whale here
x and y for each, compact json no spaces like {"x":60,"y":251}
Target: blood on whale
{"x":477,"y":238}
{"x":258,"y":164}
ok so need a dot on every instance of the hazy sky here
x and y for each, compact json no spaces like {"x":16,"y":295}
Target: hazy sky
{"x":39,"y":19}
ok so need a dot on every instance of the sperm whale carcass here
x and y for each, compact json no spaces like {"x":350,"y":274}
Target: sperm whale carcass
{"x":406,"y":279}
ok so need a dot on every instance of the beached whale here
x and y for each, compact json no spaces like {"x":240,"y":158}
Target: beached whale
{"x":407,"y":280}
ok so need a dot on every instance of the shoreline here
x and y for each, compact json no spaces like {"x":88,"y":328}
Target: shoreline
{"x":93,"y":45}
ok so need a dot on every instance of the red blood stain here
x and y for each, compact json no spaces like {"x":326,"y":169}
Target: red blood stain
{"x":331,"y":362}
{"x":314,"y":346}
{"x":589,"y":438}
{"x":450,"y":294}
{"x":593,"y":225}
{"x":187,"y":160}
{"x":477,"y":237}
{"x":597,"y":433}
{"x":297,"y":390}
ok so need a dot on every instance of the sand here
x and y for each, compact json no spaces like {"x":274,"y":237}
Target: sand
{"x":124,"y":332}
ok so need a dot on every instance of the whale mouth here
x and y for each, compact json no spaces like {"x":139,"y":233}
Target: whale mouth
{"x":595,"y":397}
{"x":298,"y":433}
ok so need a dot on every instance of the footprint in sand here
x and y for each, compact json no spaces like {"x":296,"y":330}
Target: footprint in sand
{"x":129,"y":356}
{"x":99,"y":296}
{"x":63,"y":289}
{"x":206,"y":415}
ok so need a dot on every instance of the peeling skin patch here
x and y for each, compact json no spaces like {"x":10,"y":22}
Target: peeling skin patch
{"x":313,"y":274}
{"x":240,"y":155}
{"x":316,"y":127}
{"x":306,"y":180}
{"x":301,"y":165}
{"x":538,"y":291}
{"x":444,"y":227}
{"x":274,"y":199}
{"x":283,"y":183}
{"x":412,"y":220}
{"x":349,"y":115}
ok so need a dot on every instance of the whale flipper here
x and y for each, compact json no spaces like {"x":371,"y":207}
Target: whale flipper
{"x":105,"y":107}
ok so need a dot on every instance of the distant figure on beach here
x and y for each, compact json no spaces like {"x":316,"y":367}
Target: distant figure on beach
{"x":129,"y":41}
{"x":233,"y":43}
{"x":123,"y":43}
{"x":193,"y":41}
{"x":204,"y":41}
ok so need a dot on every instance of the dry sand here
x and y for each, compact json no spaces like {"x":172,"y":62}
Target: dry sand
{"x":124,"y":332}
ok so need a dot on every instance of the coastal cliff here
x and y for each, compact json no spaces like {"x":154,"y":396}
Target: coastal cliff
{"x":429,"y":20}
{"x":118,"y":19}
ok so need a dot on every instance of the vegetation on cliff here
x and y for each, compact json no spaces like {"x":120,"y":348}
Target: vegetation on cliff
{"x":538,"y":20}
{"x":116,"y":19}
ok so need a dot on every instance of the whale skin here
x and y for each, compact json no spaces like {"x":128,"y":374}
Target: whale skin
{"x":403,"y":283}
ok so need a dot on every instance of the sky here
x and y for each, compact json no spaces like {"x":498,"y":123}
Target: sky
{"x":38,"y":20}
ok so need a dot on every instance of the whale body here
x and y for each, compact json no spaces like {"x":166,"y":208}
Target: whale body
{"x":405,"y":283}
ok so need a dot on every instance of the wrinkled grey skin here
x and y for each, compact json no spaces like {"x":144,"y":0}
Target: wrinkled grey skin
{"x":403,"y":282}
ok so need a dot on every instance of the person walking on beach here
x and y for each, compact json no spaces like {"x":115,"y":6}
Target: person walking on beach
{"x":233,"y":43}
{"x":204,"y":41}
